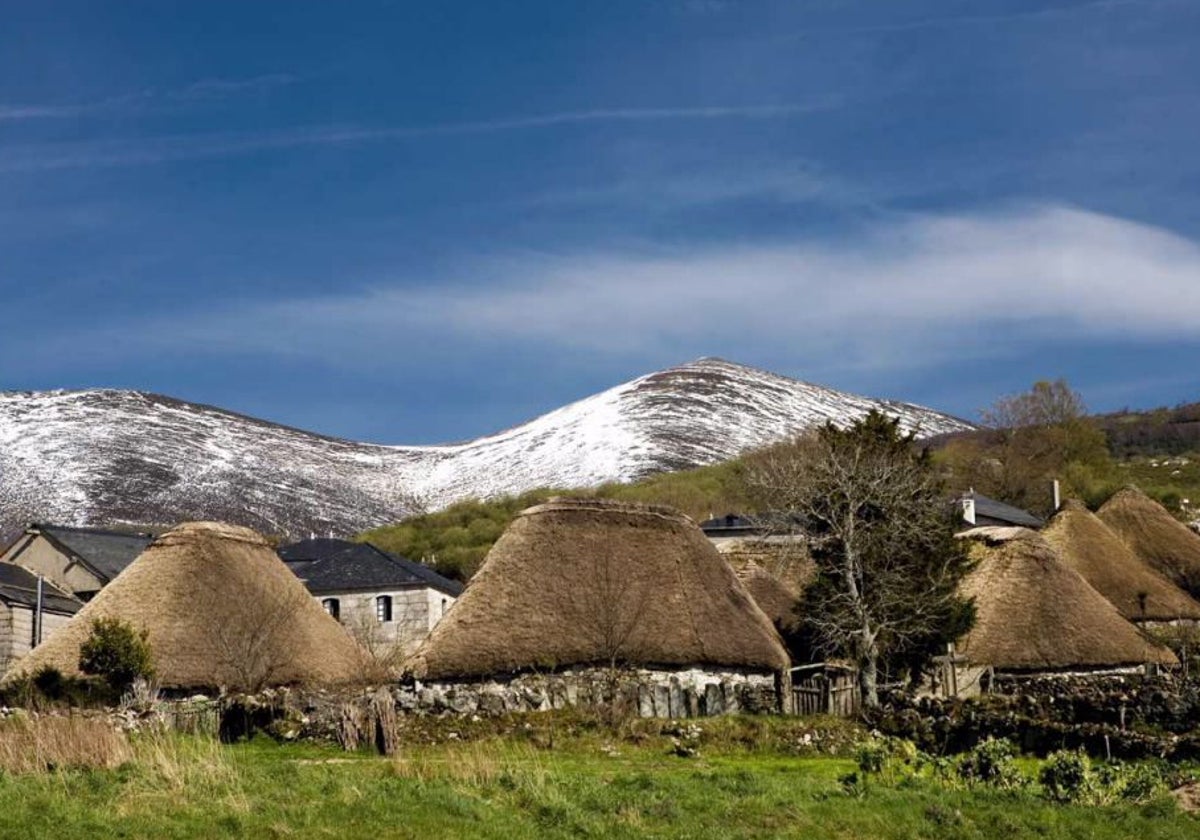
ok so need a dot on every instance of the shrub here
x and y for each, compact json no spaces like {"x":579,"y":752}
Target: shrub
{"x":1069,"y":776}
{"x":888,"y":759}
{"x":48,"y":687}
{"x":116,"y":652}
{"x":992,"y":763}
{"x":1138,"y":783}
{"x":1066,"y":776}
{"x":49,"y":681}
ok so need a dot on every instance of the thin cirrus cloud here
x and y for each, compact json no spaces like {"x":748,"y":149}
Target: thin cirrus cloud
{"x":904,"y":294}
{"x":147,"y":100}
{"x":164,"y":149}
{"x":975,"y":20}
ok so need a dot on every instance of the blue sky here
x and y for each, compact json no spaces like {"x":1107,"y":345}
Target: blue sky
{"x":419,"y":222}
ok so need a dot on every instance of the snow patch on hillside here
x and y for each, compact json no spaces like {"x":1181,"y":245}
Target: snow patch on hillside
{"x":106,"y":456}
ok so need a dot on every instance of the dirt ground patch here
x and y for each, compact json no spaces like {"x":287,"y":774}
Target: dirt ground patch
{"x":1188,"y":797}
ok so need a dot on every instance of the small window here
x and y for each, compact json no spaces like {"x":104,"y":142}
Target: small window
{"x":332,"y":607}
{"x":445,"y":605}
{"x":383,"y":608}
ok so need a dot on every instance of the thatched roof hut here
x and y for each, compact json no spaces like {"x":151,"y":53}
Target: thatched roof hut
{"x":1035,"y":613}
{"x":773,"y":595}
{"x":1155,"y":536}
{"x":783,"y":557}
{"x":1091,"y":548}
{"x":588,"y":582}
{"x":219,"y":609}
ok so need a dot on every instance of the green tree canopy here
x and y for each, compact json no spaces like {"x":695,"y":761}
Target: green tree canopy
{"x":881,"y":532}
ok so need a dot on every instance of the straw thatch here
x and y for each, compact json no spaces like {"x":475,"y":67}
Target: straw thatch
{"x":1139,"y":592}
{"x":589,"y":582}
{"x":785,"y":558}
{"x":1155,"y":536}
{"x":1035,"y":613}
{"x":773,"y":595}
{"x":219,"y":609}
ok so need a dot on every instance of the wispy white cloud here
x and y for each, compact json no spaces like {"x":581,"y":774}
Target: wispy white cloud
{"x":151,"y":150}
{"x":16,"y":113}
{"x":1024,"y":15}
{"x":150,"y":99}
{"x":914,"y":293}
{"x":219,"y":88}
{"x":796,"y":182}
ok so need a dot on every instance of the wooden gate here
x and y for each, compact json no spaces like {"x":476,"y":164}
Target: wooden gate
{"x":826,"y":688}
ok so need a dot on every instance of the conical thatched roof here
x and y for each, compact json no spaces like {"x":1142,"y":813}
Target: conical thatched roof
{"x":586,"y":581}
{"x":1155,"y":536}
{"x":1139,"y":592}
{"x":772,"y":594}
{"x":219,"y":608}
{"x":1035,"y":613}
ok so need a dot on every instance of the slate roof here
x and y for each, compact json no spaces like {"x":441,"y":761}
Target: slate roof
{"x":19,"y":586}
{"x":316,"y":548}
{"x":738,"y":524}
{"x":106,"y":553}
{"x":729,"y":523}
{"x":330,"y":565}
{"x":991,"y":512}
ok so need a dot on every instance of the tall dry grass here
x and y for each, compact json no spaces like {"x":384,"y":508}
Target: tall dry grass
{"x":167,"y":768}
{"x":474,"y":764}
{"x":44,"y":744}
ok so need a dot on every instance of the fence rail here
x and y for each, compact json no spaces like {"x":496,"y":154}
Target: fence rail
{"x":825,"y":690}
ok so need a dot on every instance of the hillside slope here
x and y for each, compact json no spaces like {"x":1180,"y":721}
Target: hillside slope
{"x":108,"y":457}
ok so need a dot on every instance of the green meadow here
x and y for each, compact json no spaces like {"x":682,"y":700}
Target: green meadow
{"x":539,"y":785}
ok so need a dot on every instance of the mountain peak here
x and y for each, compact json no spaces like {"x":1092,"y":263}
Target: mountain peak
{"x":105,"y":457}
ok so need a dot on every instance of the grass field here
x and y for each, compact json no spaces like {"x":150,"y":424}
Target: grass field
{"x":512,"y":787}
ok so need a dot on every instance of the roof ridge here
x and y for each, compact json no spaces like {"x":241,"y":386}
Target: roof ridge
{"x":83,"y":529}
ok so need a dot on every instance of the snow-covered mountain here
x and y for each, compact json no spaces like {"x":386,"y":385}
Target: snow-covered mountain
{"x":109,"y":457}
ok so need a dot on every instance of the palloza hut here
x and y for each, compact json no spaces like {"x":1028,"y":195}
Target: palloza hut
{"x":1155,"y":536}
{"x":219,"y":609}
{"x":1035,"y":614}
{"x":1139,"y":592}
{"x":776,"y":597}
{"x":775,"y":571}
{"x":587,"y":582}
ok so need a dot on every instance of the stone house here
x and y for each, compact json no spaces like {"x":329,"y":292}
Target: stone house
{"x":980,"y":511}
{"x":79,"y":561}
{"x":382,"y":598}
{"x":19,"y":630}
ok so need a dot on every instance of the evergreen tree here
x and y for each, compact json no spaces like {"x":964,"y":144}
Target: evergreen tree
{"x":880,"y":527}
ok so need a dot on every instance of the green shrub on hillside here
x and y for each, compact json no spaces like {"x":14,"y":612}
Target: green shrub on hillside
{"x":454,"y":541}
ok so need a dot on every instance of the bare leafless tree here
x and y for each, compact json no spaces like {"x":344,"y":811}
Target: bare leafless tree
{"x":1033,"y":437}
{"x":251,"y":642}
{"x":880,"y":531}
{"x":382,"y":655}
{"x":608,"y":603}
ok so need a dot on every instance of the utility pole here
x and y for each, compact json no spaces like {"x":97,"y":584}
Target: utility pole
{"x":37,"y":611}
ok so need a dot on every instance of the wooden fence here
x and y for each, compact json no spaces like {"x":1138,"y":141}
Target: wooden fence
{"x":825,"y":689}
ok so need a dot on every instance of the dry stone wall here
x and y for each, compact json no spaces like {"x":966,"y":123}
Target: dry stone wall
{"x":647,"y":693}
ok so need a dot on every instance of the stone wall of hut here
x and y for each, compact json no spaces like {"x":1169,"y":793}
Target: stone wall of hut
{"x":696,"y":692}
{"x":322,"y":713}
